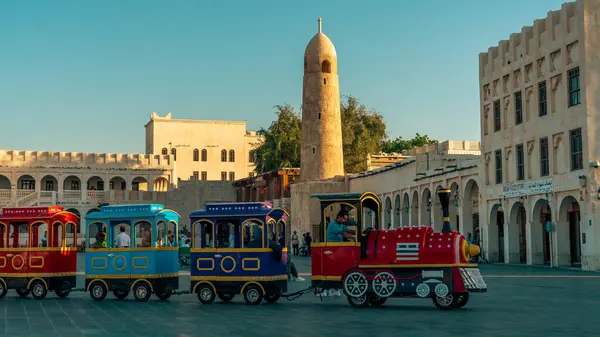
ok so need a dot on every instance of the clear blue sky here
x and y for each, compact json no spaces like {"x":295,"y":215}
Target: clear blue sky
{"x":85,"y":75}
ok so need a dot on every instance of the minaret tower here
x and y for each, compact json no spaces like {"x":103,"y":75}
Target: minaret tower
{"x":322,"y":156}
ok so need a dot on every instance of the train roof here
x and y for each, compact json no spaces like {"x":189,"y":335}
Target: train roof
{"x":132,"y":211}
{"x":354,"y":196}
{"x":239,"y":209}
{"x":24,"y":213}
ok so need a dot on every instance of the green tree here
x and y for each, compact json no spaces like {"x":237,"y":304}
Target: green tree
{"x":281,"y":141}
{"x":363,"y":132}
{"x":398,"y":145}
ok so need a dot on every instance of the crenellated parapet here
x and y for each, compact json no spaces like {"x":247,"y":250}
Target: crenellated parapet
{"x":70,"y":159}
{"x":532,"y":41}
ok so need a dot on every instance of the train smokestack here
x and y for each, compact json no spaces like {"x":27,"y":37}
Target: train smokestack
{"x":444,"y":195}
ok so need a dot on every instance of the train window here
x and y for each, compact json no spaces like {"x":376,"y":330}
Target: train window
{"x":70,"y":235}
{"x":228,"y":234}
{"x":116,"y":228}
{"x":338,"y":217}
{"x":39,"y":234}
{"x":202,"y":234}
{"x":281,"y":239}
{"x":271,"y":235}
{"x":3,"y":235}
{"x":143,"y":234}
{"x":96,"y":235}
{"x":18,"y":236}
{"x":162,"y":239}
{"x":253,"y":234}
{"x":173,"y":235}
{"x":57,"y":234}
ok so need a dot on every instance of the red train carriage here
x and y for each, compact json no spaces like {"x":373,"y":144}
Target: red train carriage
{"x":38,"y":251}
{"x":374,"y":264}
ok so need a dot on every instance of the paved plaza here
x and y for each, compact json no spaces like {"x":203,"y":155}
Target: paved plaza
{"x":521,"y":302}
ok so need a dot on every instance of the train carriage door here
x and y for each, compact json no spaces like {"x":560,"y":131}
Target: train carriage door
{"x":119,"y":257}
{"x":370,"y":220}
{"x":228,"y":243}
{"x":250,"y":258}
{"x":203,"y":253}
{"x":17,"y":257}
{"x":341,"y":251}
{"x":141,"y":256}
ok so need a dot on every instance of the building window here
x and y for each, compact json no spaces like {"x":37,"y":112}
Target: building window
{"x":251,"y":174}
{"x":251,"y":156}
{"x":574,"y":91}
{"x":49,"y":185}
{"x":100,"y":185}
{"x":196,"y":175}
{"x":223,"y":155}
{"x":135,"y":186}
{"x":111,"y":185}
{"x":497,"y":121}
{"x":196,"y":155}
{"x":576,"y":149}
{"x":204,"y":155}
{"x":544,"y":158}
{"x":27,"y":184}
{"x":204,"y":175}
{"x":231,"y":156}
{"x":542,"y":99}
{"x":223,"y":175}
{"x":231,"y":175}
{"x":498,"y":156}
{"x":326,"y":67}
{"x":520,"y":162}
{"x":174,"y":153}
{"x":518,"y":108}
{"x":165,"y":151}
{"x":75,"y":186}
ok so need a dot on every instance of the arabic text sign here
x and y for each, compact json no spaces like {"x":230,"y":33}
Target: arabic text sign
{"x":528,"y":188}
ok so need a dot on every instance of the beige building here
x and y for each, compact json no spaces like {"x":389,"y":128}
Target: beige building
{"x":203,"y":150}
{"x":375,"y":161}
{"x":540,"y":117}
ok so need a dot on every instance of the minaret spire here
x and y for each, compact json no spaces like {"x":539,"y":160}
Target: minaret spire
{"x":320,"y":24}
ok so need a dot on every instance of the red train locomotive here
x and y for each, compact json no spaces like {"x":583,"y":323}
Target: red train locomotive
{"x":38,"y":251}
{"x":377,"y":264}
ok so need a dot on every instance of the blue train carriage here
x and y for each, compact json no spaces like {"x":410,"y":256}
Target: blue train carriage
{"x":149,"y":265}
{"x":230,"y":252}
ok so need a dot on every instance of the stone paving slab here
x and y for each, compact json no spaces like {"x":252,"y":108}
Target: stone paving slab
{"x":521,"y":302}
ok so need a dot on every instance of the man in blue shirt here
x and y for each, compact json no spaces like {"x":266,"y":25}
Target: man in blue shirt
{"x":337,"y":230}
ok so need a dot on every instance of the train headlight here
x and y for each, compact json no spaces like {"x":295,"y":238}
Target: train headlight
{"x":465,"y":250}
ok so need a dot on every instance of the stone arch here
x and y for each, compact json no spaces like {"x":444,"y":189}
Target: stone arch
{"x":139,"y":184}
{"x":5,"y":183}
{"x":454,"y":206}
{"x":397,"y":212}
{"x":517,"y":233}
{"x":495,"y":233}
{"x":540,"y":238}
{"x":387,"y":215}
{"x":95,"y":183}
{"x":405,"y":209}
{"x":117,"y":184}
{"x":326,"y":67}
{"x":49,"y":183}
{"x":568,"y":233}
{"x":426,"y":207}
{"x":161,"y":184}
{"x":72,"y":183}
{"x":470,"y":200}
{"x":437,"y":219}
{"x":26,"y":182}
{"x":414,"y":210}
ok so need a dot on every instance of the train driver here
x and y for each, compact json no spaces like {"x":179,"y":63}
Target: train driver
{"x":337,"y":230}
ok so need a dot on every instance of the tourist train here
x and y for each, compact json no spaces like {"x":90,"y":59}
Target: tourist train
{"x":233,"y":251}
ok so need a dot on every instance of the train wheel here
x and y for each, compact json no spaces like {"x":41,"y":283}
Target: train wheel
{"x":272,"y":298}
{"x":377,"y":301}
{"x":3,"y":290}
{"x":141,"y":292}
{"x":253,"y":294}
{"x":38,"y":290}
{"x":461,"y":300}
{"x":98,"y":291}
{"x":225,"y":297}
{"x":360,"y":301}
{"x":121,"y":294}
{"x":23,"y":292}
{"x":62,"y":293}
{"x":206,"y":294}
{"x":447,"y":302}
{"x":164,"y":294}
